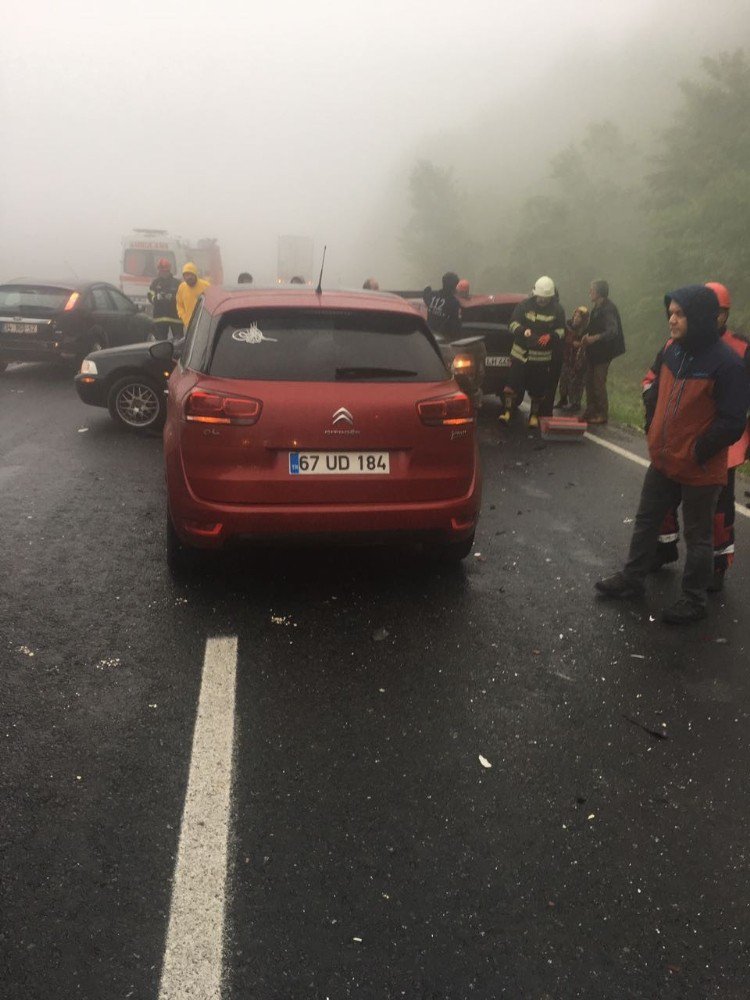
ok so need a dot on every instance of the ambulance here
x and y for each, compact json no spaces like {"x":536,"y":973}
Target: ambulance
{"x":142,"y":250}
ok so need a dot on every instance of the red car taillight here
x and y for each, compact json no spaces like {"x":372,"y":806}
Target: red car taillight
{"x":453,"y":409}
{"x":212,"y":408}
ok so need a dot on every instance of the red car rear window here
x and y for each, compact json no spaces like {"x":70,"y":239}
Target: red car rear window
{"x":304,"y":345}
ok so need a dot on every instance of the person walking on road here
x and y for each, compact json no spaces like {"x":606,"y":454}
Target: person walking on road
{"x":190,"y":290}
{"x":162,"y":295}
{"x":537,"y":325}
{"x":700,"y":398}
{"x":573,"y":372}
{"x":724,"y":518}
{"x":604,"y":341}
{"x":443,"y":307}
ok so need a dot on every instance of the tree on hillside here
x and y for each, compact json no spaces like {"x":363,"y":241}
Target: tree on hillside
{"x":589,"y":224}
{"x":436,"y":238}
{"x":699,"y":193}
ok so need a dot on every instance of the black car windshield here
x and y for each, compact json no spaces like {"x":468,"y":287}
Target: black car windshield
{"x":315,"y":345}
{"x":32,"y":300}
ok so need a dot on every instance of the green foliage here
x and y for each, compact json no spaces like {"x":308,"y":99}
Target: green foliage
{"x":699,"y":192}
{"x":613,"y":209}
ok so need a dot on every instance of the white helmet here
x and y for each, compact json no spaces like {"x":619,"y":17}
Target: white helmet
{"x":544,"y":288}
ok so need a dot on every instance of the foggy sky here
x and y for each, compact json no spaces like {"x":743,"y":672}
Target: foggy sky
{"x":245,"y":121}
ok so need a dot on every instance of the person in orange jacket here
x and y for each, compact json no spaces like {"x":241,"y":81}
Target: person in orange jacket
{"x":669,"y":534}
{"x":190,"y":290}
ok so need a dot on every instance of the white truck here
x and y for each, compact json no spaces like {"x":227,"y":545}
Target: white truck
{"x":142,"y":249}
{"x":295,"y":259}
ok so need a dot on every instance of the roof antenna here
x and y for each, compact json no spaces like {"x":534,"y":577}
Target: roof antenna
{"x":319,"y":289}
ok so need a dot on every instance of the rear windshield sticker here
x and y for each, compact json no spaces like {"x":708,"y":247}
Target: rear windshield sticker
{"x":253,"y":335}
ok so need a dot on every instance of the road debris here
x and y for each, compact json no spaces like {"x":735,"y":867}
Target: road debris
{"x":108,"y":661}
{"x":380,"y":634}
{"x":26,"y":651}
{"x":656,"y":733}
{"x":484,"y":762}
{"x":82,"y":430}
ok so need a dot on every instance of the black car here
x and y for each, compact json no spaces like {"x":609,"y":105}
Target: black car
{"x":64,"y":321}
{"x":131,"y":381}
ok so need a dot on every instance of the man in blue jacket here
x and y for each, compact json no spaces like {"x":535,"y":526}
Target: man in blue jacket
{"x":698,"y":401}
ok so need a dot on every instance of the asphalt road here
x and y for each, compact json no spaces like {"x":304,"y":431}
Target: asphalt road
{"x":371,"y":853}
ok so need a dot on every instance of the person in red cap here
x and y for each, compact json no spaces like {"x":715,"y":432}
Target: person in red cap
{"x":724,"y":517}
{"x":163,"y":298}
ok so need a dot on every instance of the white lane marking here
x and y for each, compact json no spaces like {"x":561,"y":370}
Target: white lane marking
{"x":642,"y":461}
{"x":193,"y":954}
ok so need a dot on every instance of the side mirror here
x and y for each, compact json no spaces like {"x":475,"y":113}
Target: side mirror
{"x":162,"y":350}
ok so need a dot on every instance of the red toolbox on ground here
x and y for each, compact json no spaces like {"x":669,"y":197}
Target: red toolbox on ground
{"x":562,"y":428}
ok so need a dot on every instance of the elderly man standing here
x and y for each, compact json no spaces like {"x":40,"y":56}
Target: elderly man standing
{"x":699,"y":400}
{"x":603,"y":342}
{"x":190,"y":290}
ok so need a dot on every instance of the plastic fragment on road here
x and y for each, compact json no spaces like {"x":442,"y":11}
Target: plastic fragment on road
{"x":108,"y":661}
{"x":26,"y":651}
{"x":484,"y":762}
{"x":380,"y":634}
{"x":82,"y":430}
{"x":562,"y":428}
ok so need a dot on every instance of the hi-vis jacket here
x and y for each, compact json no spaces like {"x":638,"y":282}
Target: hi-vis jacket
{"x":539,"y":320}
{"x":696,"y":397}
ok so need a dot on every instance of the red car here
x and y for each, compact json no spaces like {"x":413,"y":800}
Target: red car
{"x":294,"y":414}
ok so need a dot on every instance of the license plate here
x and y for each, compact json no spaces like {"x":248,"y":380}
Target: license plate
{"x":20,"y":328}
{"x":498,"y":361}
{"x":339,"y":463}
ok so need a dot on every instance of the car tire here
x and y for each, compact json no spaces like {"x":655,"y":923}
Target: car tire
{"x":137,"y":403}
{"x":182,"y":561}
{"x":454,"y":552}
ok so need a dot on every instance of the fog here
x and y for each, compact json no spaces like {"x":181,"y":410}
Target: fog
{"x":246,"y":121}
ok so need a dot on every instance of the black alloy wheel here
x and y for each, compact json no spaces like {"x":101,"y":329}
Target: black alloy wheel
{"x":137,"y":403}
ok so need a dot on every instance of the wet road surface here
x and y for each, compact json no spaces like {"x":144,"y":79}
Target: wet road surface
{"x":478,"y":782}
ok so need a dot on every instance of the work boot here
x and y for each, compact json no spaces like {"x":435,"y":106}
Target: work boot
{"x":504,"y":418}
{"x":683,"y":612}
{"x":533,"y":421}
{"x":617,"y":586}
{"x":717,"y":583}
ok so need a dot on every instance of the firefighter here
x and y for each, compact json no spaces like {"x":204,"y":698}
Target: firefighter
{"x":537,"y":325}
{"x":162,"y":295}
{"x":443,"y":308}
{"x":463,"y":290}
{"x":669,"y":534}
{"x":190,"y":290}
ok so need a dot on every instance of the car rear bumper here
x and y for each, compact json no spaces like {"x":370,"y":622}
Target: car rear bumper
{"x":92,"y":392}
{"x":210,"y":526}
{"x":40,"y":351}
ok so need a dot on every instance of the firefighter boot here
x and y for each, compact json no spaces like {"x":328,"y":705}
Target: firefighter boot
{"x":505,"y":416}
{"x":534,"y":414}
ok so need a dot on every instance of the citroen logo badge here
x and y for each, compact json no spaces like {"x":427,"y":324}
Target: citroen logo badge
{"x":343,"y":416}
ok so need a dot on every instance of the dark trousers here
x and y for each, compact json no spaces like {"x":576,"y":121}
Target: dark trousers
{"x":546,"y":408}
{"x":597,"y":402}
{"x":669,"y":533}
{"x":660,"y":494}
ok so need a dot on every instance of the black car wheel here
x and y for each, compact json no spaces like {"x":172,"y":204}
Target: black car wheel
{"x":138,"y":403}
{"x":454,"y":552}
